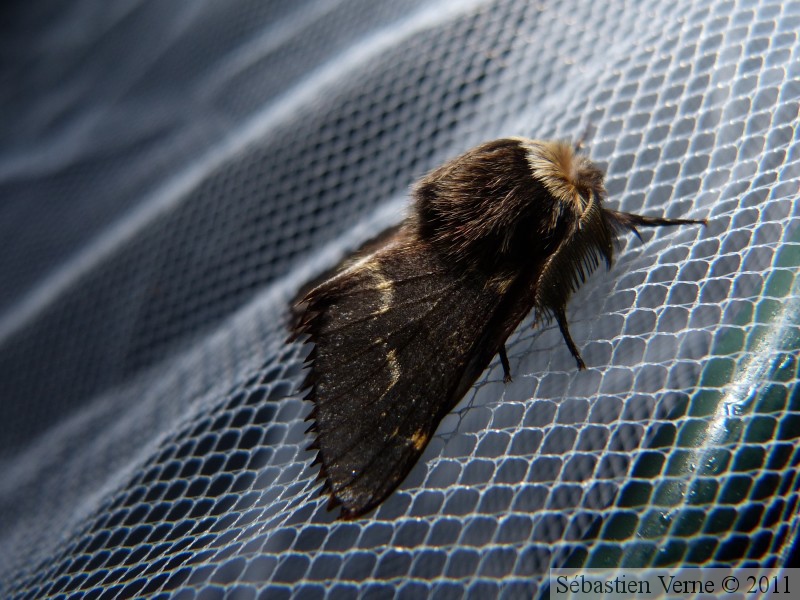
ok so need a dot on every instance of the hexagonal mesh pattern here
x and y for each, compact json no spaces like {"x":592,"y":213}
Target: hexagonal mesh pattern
{"x":172,"y":174}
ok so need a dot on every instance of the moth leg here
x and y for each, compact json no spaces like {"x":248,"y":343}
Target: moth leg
{"x":506,"y":366}
{"x":561,"y":317}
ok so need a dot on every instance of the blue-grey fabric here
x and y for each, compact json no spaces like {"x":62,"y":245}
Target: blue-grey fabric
{"x":171,"y":173}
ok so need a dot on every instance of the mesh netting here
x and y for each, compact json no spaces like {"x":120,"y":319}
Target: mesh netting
{"x":172,"y":174}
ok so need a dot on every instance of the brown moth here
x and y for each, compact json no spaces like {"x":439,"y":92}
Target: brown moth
{"x":402,"y":332}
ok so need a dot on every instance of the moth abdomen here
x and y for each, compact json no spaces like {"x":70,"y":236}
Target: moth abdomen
{"x":401,"y":332}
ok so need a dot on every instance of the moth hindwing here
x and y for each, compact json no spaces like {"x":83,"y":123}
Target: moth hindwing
{"x":402,"y":331}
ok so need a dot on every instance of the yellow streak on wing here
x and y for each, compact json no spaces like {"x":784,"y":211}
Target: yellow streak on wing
{"x":386,"y":288}
{"x":419,"y":439}
{"x":500,"y":283}
{"x":394,"y":367}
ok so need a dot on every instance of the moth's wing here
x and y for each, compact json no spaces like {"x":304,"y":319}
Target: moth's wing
{"x":399,"y":338}
{"x":298,"y":304}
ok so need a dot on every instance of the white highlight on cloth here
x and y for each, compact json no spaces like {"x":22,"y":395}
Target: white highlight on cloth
{"x":177,"y":189}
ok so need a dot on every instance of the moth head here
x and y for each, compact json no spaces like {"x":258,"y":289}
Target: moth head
{"x":570,"y":177}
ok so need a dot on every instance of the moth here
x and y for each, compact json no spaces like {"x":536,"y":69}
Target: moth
{"x":402,"y":330}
